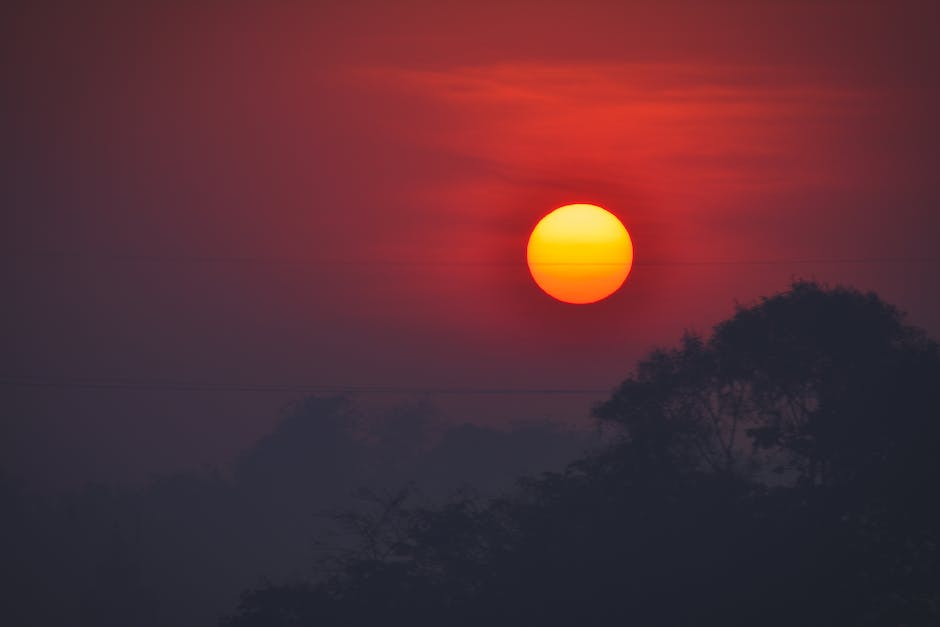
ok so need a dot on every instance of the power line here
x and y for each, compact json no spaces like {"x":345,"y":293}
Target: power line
{"x":29,"y":381}
{"x":780,"y":262}
{"x":305,"y":261}
{"x":33,"y":381}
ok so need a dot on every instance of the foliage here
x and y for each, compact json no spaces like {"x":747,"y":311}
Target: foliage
{"x":781,"y":472}
{"x":178,"y":550}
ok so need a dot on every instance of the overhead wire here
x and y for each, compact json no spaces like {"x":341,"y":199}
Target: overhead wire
{"x":37,"y":381}
{"x":140,"y":384}
{"x":307,"y":261}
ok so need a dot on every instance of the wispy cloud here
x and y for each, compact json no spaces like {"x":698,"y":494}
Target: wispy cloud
{"x":711,"y":128}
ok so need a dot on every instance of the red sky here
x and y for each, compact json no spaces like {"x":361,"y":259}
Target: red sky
{"x":339,"y":194}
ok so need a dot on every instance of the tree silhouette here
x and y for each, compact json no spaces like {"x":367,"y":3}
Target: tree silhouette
{"x":178,"y":550}
{"x":782,"y":471}
{"x":829,"y":383}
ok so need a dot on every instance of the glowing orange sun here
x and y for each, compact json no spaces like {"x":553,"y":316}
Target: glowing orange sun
{"x":580,"y":253}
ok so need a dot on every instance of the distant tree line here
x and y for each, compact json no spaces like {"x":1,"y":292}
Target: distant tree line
{"x":178,"y":550}
{"x":782,"y":471}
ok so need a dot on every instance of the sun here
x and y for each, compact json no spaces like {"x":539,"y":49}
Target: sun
{"x":579,"y":253}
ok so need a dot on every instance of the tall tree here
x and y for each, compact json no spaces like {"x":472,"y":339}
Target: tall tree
{"x":779,"y":472}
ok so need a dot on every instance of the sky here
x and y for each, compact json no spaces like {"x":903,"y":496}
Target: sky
{"x":266,"y":198}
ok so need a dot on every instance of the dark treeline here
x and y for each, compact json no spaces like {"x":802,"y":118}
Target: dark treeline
{"x":781,"y":472}
{"x":177,"y":551}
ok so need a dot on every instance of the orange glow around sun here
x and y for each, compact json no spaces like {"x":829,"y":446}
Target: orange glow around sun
{"x":579,"y":253}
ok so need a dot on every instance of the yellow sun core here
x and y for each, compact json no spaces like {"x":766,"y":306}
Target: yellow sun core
{"x":579,"y":253}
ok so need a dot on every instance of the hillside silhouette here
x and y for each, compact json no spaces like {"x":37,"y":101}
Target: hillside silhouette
{"x":782,"y":471}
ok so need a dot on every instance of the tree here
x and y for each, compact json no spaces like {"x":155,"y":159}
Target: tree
{"x":821,"y":385}
{"x":779,"y":472}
